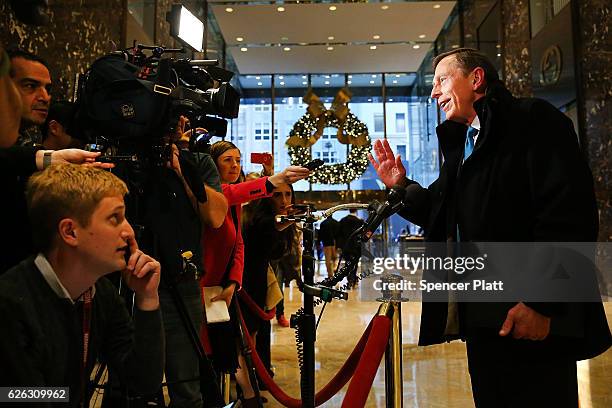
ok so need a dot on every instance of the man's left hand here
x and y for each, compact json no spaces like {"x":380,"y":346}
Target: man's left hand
{"x":75,"y":156}
{"x":142,"y":275}
{"x":525,"y":323}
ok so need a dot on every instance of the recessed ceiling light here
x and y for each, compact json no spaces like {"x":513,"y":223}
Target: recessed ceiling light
{"x":468,"y":35}
{"x":397,"y":75}
{"x":257,"y":77}
{"x":372,"y":47}
{"x":390,"y":99}
{"x":326,"y":82}
{"x":371,"y":82}
{"x":244,"y":49}
{"x":385,"y":7}
{"x":280,"y":9}
{"x":349,"y":82}
{"x":436,"y":6}
{"x":332,"y":8}
{"x":280,"y":77}
{"x":330,"y":48}
{"x":303,"y":43}
{"x":416,"y":46}
{"x":304,"y":83}
{"x":282,"y":83}
{"x":260,"y":84}
{"x":327,"y":76}
{"x":497,"y":46}
{"x":350,"y":76}
{"x":369,"y":99}
{"x":287,"y":49}
{"x":229,"y":9}
{"x":455,"y":46}
{"x":331,"y":37}
{"x":395,"y":81}
{"x":239,"y":39}
{"x":422,"y":36}
{"x":284,"y":38}
{"x":376,"y":37}
{"x":373,"y":75}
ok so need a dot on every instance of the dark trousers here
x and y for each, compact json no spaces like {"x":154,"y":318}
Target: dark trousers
{"x":509,"y":373}
{"x":182,"y":361}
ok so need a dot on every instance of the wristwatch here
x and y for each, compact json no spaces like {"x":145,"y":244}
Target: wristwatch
{"x":47,"y":158}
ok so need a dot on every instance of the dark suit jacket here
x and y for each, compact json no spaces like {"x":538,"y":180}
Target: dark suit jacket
{"x":525,"y":181}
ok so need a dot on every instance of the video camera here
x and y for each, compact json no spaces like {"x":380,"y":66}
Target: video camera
{"x":130,"y":101}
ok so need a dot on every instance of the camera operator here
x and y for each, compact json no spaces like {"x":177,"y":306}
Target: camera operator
{"x":59,"y":126}
{"x":176,"y":204}
{"x":59,"y":312}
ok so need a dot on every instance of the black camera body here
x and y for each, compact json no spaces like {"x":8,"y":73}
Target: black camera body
{"x":130,"y":101}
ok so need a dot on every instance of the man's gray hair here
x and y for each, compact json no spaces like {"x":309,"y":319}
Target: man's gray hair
{"x":468,"y":59}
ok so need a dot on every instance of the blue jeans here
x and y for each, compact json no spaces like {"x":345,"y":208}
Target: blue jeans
{"x":182,"y":360}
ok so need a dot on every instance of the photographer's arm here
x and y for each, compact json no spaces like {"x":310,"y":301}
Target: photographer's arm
{"x":213,"y":209}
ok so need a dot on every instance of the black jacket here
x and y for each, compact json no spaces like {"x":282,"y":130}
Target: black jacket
{"x":525,"y":181}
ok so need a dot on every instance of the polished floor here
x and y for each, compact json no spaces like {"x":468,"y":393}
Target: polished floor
{"x":434,"y":376}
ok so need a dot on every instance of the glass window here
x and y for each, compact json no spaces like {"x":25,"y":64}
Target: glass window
{"x":251,"y":131}
{"x":288,"y":109}
{"x":400,"y":122}
{"x":379,"y":125}
{"x":541,"y":12}
{"x":367,"y":105}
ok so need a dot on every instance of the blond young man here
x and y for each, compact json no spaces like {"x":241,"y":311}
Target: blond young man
{"x":60,"y":313}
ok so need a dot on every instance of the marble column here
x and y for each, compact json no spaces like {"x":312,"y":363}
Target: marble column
{"x":79,"y":32}
{"x":595,"y":51}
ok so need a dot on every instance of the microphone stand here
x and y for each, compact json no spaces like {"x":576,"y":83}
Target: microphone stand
{"x":305,"y":322}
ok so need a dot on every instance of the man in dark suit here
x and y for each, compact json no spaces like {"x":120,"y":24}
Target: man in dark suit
{"x":512,"y":171}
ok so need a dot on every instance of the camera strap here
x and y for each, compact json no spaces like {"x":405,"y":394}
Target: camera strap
{"x":87,"y":306}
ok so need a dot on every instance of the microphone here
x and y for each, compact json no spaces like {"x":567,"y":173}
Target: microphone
{"x":379,"y":212}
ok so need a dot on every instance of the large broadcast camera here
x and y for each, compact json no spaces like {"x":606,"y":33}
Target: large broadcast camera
{"x":130,"y":101}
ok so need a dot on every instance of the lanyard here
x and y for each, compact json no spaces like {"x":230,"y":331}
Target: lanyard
{"x":86,"y":329}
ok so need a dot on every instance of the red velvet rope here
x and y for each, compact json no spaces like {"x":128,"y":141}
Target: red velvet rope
{"x":335,"y":384}
{"x":360,"y":385}
{"x":254,"y":307}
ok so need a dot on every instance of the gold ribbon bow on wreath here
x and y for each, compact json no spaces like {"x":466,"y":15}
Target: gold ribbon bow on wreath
{"x":335,"y":117}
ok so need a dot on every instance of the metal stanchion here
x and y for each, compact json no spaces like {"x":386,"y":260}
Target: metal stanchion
{"x":226,"y":385}
{"x":392,"y":307}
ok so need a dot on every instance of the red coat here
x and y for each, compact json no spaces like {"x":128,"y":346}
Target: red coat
{"x":217,"y":244}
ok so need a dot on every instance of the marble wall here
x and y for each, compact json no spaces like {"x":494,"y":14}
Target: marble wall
{"x":595,"y":52}
{"x":515,"y":44}
{"x":79,"y":32}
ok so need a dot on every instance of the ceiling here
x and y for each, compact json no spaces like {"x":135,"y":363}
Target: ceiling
{"x":311,"y":38}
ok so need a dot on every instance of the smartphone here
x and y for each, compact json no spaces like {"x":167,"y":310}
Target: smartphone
{"x":313,"y":164}
{"x":261,"y":158}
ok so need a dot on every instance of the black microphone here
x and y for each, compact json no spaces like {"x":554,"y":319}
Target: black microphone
{"x":379,"y":212}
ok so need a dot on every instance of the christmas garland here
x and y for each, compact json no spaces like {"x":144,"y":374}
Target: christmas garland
{"x":341,"y":173}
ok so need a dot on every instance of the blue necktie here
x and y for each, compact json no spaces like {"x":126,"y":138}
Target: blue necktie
{"x":469,"y":142}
